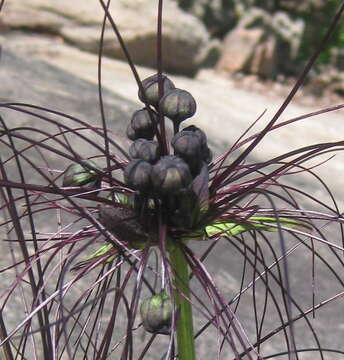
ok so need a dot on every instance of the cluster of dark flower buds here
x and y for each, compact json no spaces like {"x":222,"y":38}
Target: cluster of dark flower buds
{"x":163,"y":177}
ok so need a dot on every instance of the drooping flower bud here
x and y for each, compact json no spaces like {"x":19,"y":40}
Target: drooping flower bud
{"x":178,"y":105}
{"x":147,"y":150}
{"x":141,"y":125}
{"x":156,"y":313}
{"x":170,"y":174}
{"x":79,"y":175}
{"x":206,"y":152}
{"x":137,"y":175}
{"x":151,"y":89}
{"x":131,"y":133}
{"x":208,"y":156}
{"x":197,"y":131}
{"x":187,"y":144}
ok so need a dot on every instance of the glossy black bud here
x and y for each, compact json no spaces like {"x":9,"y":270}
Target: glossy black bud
{"x":170,"y":174}
{"x":137,"y":175}
{"x":156,"y":313}
{"x":147,"y":150}
{"x":151,"y":89}
{"x":79,"y":175}
{"x":178,"y":105}
{"x":141,"y":125}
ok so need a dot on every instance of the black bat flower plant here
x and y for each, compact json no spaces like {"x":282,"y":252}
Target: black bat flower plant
{"x":152,"y":210}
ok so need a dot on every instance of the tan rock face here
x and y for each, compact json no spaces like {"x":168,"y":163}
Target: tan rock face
{"x":79,"y":22}
{"x":237,"y":49}
{"x":261,"y":44}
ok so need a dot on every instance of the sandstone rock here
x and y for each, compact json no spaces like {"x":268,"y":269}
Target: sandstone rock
{"x":238,"y":49}
{"x":329,"y":80}
{"x":78,"y":22}
{"x":218,"y":16}
{"x":261,"y":44}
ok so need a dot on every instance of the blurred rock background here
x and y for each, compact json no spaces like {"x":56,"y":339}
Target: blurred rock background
{"x":270,"y":39}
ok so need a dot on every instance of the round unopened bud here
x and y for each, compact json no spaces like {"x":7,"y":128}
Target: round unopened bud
{"x":197,"y":131}
{"x":79,"y":175}
{"x":151,"y":89}
{"x":187,"y":144}
{"x":156,"y":313}
{"x":137,"y":175}
{"x":131,"y":133}
{"x":170,"y":174}
{"x":147,"y":150}
{"x":208,"y":156}
{"x":141,"y":125}
{"x":206,"y":152}
{"x":178,"y":105}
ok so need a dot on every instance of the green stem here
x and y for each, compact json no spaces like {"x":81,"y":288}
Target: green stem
{"x":185,"y":334}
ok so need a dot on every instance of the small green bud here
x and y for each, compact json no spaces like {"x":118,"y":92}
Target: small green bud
{"x":170,"y":174}
{"x":151,"y":88}
{"x":78,"y":175}
{"x":156,"y":313}
{"x":137,"y":175}
{"x":178,"y":105}
{"x":147,"y":150}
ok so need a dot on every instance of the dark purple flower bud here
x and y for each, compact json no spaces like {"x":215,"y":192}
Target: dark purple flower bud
{"x":131,"y":133}
{"x":147,"y":150}
{"x":156,"y":313}
{"x":178,"y":105}
{"x":170,"y":174}
{"x":79,"y":175}
{"x":187,"y":144}
{"x":141,"y":125}
{"x":207,"y":155}
{"x":151,"y":89}
{"x":197,"y":131}
{"x":137,"y":175}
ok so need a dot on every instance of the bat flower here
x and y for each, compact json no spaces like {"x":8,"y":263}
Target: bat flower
{"x":116,"y":241}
